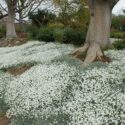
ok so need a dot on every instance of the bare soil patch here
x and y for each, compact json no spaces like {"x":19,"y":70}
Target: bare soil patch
{"x":12,"y":42}
{"x":19,"y":69}
{"x":21,"y":39}
{"x":4,"y":120}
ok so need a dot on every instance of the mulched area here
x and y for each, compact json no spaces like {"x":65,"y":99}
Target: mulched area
{"x":12,"y":42}
{"x":21,"y":39}
{"x":15,"y":71}
{"x":103,"y":59}
{"x":4,"y":120}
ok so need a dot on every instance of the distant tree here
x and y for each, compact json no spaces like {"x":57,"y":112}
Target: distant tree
{"x":81,"y":17}
{"x":9,"y":8}
{"x":72,"y":12}
{"x":41,"y":17}
{"x":10,"y":27}
{"x":24,"y":7}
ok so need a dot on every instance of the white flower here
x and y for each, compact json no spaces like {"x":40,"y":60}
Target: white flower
{"x":86,"y":96}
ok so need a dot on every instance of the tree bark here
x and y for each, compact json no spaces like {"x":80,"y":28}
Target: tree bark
{"x":98,"y":36}
{"x":21,"y":22}
{"x":10,"y":22}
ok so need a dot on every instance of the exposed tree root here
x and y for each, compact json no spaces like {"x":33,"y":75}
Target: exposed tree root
{"x":93,"y":53}
{"x":77,"y":52}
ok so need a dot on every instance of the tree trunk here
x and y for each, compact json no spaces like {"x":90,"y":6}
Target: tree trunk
{"x":98,"y":36}
{"x":21,"y":22}
{"x":10,"y":22}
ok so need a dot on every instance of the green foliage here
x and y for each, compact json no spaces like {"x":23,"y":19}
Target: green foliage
{"x":74,"y":36}
{"x":117,"y":34}
{"x":73,"y":13}
{"x":59,"y":35}
{"x":119,"y":45}
{"x":81,"y":18}
{"x":41,"y":17}
{"x":118,"y":22}
{"x":2,"y":31}
{"x":56,"y":25}
{"x":45,"y":34}
{"x":68,"y":27}
{"x":62,"y":35}
{"x":32,"y":31}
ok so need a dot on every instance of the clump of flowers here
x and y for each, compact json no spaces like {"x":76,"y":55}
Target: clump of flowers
{"x":32,"y":52}
{"x":4,"y":79}
{"x":58,"y":91}
{"x":35,"y":91}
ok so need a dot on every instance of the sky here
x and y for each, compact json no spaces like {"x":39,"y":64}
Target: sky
{"x":119,"y":7}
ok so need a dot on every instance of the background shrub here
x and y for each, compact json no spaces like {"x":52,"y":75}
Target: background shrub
{"x":73,"y":36}
{"x":32,"y":32}
{"x":117,"y":34}
{"x":2,"y":31}
{"x":56,"y":25}
{"x":58,"y":35}
{"x":119,"y":45}
{"x":118,"y":22}
{"x":41,"y":17}
{"x":45,"y":34}
{"x":56,"y":32}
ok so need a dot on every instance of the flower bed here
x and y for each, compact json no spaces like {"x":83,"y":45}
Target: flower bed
{"x":57,"y":90}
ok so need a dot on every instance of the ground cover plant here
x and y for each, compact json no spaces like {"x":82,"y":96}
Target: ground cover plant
{"x":58,"y":90}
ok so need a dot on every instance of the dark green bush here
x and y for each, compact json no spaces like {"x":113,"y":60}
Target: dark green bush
{"x":62,"y":35}
{"x":118,"y":34}
{"x":74,"y":36}
{"x":118,"y":22}
{"x":32,"y":32}
{"x":119,"y":45}
{"x":45,"y":34}
{"x":2,"y":31}
{"x":58,"y":35}
{"x":56,"y":25}
{"x":41,"y":17}
{"x":42,"y":34}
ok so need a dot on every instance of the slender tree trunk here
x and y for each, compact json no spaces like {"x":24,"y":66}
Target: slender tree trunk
{"x":21,"y":22}
{"x":10,"y":22}
{"x":98,"y":36}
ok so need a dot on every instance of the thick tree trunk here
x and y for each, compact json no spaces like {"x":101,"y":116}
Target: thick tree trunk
{"x":10,"y":22}
{"x":98,"y":36}
{"x":100,"y":22}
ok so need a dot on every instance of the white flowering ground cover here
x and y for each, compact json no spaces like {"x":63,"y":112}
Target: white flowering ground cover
{"x":57,"y":90}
